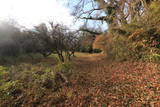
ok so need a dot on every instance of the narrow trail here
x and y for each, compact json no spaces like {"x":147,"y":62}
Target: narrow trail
{"x":94,"y":66}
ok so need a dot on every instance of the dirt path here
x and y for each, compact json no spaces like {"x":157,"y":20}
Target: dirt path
{"x":98,"y":82}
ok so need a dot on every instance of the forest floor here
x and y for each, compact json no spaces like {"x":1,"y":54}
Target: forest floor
{"x":99,"y":82}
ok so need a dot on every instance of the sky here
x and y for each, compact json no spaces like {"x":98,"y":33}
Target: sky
{"x":29,"y":13}
{"x":32,"y":12}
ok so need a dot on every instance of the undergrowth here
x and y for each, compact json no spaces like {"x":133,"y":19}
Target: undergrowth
{"x":28,"y":83}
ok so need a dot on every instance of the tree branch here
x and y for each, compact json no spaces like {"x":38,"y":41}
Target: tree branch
{"x":90,"y":31}
{"x":90,"y":11}
{"x":102,"y":18}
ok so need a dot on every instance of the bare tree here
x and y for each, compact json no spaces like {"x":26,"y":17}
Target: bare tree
{"x":113,"y":12}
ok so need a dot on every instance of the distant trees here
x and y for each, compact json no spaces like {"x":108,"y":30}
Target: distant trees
{"x":63,"y":41}
{"x":44,"y":40}
{"x":9,"y":45}
{"x":86,"y":40}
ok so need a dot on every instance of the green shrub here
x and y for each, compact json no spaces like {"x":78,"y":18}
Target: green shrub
{"x":2,"y":68}
{"x":9,"y":89}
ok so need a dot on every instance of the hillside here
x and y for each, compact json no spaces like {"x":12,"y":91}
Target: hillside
{"x":80,"y":53}
{"x":95,"y":81}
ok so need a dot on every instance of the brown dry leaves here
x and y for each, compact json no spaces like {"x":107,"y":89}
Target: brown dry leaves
{"x":99,"y":82}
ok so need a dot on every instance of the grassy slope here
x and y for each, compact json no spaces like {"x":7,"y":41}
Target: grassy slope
{"x":96,"y":82}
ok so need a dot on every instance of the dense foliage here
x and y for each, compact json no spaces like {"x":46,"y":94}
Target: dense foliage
{"x":138,"y":39}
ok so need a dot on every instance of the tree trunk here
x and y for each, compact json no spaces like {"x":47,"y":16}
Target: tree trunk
{"x":73,"y":54}
{"x":61,"y":57}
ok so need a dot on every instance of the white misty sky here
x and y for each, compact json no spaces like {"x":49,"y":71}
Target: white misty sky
{"x":32,"y":12}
